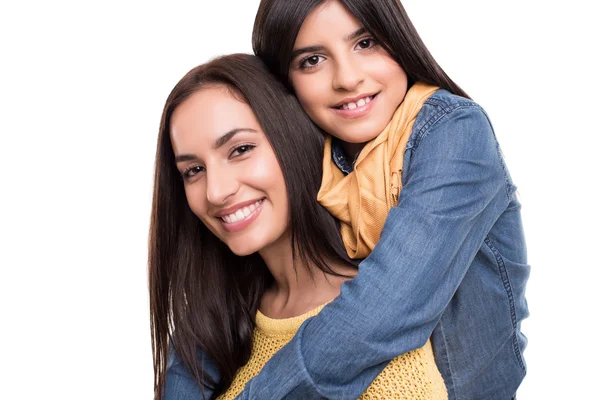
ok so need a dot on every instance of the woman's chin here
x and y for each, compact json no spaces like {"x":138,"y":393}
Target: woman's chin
{"x":242,"y":249}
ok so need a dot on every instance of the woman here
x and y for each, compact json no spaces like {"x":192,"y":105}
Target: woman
{"x":238,"y":238}
{"x":410,"y":149}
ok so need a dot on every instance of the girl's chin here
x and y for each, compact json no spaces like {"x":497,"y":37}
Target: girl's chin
{"x":358,"y":139}
{"x":358,"y":132}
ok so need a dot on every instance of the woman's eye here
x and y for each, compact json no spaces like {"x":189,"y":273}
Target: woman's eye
{"x":241,"y":150}
{"x":192,"y":171}
{"x":311,"y":62}
{"x":366,"y":43}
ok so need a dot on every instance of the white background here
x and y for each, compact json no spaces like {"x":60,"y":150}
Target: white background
{"x":82,"y":85}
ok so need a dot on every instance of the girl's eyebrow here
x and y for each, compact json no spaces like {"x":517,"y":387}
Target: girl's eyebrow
{"x":308,"y":49}
{"x":354,"y":35}
{"x":313,"y":49}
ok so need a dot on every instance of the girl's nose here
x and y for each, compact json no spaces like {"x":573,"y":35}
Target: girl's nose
{"x":348,"y":75}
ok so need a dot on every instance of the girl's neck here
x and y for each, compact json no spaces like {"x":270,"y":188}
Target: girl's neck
{"x":298,"y":287}
{"x":352,"y":149}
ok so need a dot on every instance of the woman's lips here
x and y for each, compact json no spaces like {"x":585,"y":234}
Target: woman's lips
{"x":243,"y":223}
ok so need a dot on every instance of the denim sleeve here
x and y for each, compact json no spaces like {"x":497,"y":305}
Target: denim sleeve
{"x":455,"y":188}
{"x":181,"y":385}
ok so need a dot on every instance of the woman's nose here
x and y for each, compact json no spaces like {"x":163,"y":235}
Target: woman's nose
{"x":221,"y":184}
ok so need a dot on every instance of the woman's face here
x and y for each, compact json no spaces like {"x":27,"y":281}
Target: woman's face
{"x":232,"y":179}
{"x":346,"y":82}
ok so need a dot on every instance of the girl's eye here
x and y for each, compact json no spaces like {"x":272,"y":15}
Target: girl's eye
{"x":366,"y":43}
{"x":311,"y":61}
{"x":192,"y":171}
{"x":241,"y":150}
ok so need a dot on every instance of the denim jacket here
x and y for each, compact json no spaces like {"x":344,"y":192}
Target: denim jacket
{"x":450,"y":265}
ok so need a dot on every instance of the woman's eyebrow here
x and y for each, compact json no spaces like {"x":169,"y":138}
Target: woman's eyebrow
{"x":229,"y":135}
{"x":185,"y":157}
{"x":217,"y":144}
{"x":313,"y":49}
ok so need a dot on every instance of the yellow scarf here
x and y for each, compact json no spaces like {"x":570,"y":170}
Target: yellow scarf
{"x":362,"y":199}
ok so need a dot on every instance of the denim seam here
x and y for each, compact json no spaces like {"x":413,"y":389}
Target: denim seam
{"x":435,"y":102}
{"x":300,"y":333}
{"x":447,"y":360}
{"x":435,"y":118}
{"x":501,"y":158}
{"x":508,"y":288}
{"x":423,"y":131}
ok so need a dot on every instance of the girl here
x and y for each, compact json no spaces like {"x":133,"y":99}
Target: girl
{"x":408,"y":148}
{"x":241,"y":253}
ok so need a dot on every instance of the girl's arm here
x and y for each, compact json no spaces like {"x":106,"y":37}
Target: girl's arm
{"x":181,"y":385}
{"x":455,"y":188}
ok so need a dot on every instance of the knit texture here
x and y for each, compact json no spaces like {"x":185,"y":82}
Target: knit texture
{"x":413,"y":375}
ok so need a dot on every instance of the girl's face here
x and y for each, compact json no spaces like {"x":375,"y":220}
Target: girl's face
{"x":232,"y":179}
{"x":346,"y":82}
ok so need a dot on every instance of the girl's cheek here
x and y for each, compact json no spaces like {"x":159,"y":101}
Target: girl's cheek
{"x":308,"y":90}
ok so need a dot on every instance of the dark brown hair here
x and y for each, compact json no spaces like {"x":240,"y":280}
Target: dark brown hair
{"x":202,"y":296}
{"x":278,"y":22}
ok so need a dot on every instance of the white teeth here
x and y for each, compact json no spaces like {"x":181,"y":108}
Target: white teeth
{"x":241,"y":214}
{"x":359,"y":103}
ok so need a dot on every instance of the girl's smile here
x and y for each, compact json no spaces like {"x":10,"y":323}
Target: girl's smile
{"x":346,"y":81}
{"x":354,"y":108}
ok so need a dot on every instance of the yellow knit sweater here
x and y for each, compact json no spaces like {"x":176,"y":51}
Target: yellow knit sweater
{"x":413,"y":375}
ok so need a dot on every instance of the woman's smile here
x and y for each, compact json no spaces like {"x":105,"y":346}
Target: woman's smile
{"x":232,"y":179}
{"x":238,"y":217}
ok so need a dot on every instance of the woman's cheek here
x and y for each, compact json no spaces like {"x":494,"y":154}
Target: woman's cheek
{"x":264,"y":170}
{"x":196,"y":197}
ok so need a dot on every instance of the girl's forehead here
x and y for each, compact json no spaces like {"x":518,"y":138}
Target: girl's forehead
{"x":328,"y":20}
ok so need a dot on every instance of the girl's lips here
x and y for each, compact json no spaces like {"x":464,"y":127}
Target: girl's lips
{"x":239,"y":225}
{"x":358,"y":111}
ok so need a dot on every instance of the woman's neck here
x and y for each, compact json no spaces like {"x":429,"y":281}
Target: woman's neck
{"x":298,"y":287}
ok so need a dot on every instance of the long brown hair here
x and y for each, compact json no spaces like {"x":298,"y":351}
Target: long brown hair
{"x":278,"y":22}
{"x":202,"y":296}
